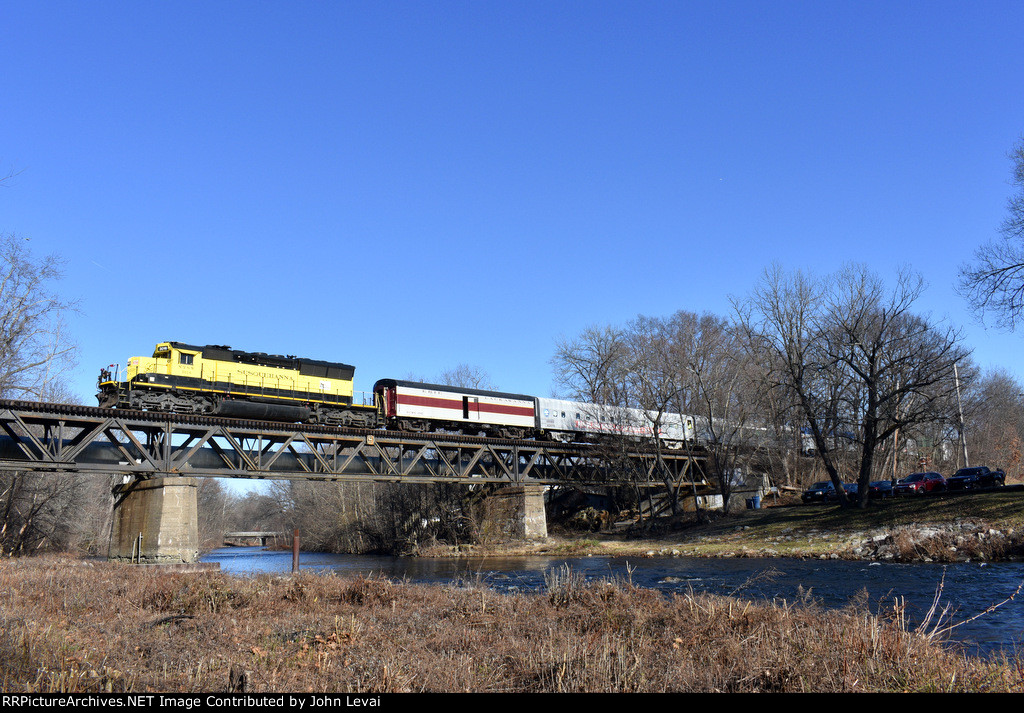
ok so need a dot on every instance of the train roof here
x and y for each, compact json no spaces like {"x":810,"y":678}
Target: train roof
{"x":308,"y":367}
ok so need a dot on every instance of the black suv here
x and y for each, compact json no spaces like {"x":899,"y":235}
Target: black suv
{"x":976,"y":477}
{"x":819,"y":492}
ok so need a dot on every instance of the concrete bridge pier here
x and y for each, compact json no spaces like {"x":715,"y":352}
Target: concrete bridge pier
{"x":156,"y":521}
{"x":517,"y":511}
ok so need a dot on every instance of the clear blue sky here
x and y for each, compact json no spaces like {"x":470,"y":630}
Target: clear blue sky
{"x":405,"y":186}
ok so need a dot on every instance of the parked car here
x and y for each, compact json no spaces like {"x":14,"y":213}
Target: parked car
{"x":920,"y":483}
{"x":819,"y":492}
{"x":880,"y":489}
{"x":849,"y":488}
{"x":978,"y":476}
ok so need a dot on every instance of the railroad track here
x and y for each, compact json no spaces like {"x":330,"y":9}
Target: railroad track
{"x":200,"y":420}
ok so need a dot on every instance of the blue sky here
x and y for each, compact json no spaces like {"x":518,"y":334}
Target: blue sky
{"x":405,"y":186}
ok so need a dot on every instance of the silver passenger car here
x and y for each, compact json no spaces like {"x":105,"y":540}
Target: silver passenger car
{"x":569,"y":421}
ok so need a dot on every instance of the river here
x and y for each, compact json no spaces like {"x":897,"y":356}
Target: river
{"x":969,"y":588}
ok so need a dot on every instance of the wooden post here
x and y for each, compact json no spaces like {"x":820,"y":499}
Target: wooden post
{"x":295,"y":552}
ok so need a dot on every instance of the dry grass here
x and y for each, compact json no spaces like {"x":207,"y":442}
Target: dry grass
{"x":68,"y":625}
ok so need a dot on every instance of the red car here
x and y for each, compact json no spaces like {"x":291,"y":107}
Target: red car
{"x":920,"y":483}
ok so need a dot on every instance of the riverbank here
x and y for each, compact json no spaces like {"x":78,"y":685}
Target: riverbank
{"x":73,"y":625}
{"x":952,"y":527}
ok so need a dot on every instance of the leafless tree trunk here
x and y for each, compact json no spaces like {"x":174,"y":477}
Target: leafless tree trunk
{"x":53,"y":511}
{"x":41,"y":510}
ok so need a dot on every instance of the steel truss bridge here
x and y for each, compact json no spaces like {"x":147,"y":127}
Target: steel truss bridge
{"x":139,"y":445}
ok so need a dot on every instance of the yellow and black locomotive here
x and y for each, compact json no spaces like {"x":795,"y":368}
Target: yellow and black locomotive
{"x":221,"y":381}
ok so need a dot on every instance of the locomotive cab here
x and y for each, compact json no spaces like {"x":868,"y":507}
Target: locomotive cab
{"x":167,"y":359}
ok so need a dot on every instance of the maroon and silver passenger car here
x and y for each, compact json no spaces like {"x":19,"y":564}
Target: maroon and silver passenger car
{"x":412,"y":406}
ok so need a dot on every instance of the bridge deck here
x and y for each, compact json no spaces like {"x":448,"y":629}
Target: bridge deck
{"x":53,"y":437}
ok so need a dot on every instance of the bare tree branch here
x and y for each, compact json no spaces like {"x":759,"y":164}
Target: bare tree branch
{"x":34,"y":345}
{"x":994,"y":283}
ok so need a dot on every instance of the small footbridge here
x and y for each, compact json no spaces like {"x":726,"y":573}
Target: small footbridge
{"x":247,"y":538}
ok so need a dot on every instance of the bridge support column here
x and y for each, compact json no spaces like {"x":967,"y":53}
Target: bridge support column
{"x":156,"y":521}
{"x":517,"y":511}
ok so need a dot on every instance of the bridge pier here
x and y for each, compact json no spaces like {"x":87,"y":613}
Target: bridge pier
{"x":155,"y":521}
{"x":517,"y":511}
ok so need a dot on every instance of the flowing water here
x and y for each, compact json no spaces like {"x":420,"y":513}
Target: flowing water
{"x":968,"y":588}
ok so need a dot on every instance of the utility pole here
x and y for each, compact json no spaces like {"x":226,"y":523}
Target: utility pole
{"x":963,"y":436}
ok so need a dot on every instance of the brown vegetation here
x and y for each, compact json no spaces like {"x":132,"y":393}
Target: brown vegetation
{"x":71,"y":625}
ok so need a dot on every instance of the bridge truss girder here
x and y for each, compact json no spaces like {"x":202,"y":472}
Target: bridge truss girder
{"x":144,"y":445}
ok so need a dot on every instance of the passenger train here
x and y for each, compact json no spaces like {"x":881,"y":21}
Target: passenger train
{"x":221,"y":381}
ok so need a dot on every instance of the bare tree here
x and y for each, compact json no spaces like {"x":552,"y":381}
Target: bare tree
{"x":717,"y":387}
{"x":55,"y":511}
{"x":592,"y":367}
{"x":608,"y":367}
{"x":994,"y":412}
{"x":780,"y":326}
{"x":41,"y":510}
{"x":461,"y":375}
{"x":34,"y":345}
{"x":660,"y":368}
{"x":652,"y":385}
{"x":213,"y":504}
{"x":994,"y":283}
{"x":855,"y":357}
{"x":901,"y":365}
{"x":326,"y":514}
{"x":468,"y":377}
{"x":363,"y":517}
